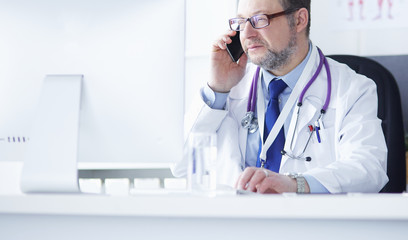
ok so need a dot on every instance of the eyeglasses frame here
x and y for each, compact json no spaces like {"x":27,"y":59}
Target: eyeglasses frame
{"x":269,"y":16}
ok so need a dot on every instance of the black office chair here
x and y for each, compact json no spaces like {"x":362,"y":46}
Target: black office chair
{"x":390,"y":112}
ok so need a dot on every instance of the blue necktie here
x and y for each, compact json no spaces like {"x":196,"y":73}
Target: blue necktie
{"x":273,"y":155}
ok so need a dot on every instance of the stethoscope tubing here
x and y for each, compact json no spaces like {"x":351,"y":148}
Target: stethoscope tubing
{"x":252,"y":93}
{"x":323,"y":61}
{"x":329,"y":85}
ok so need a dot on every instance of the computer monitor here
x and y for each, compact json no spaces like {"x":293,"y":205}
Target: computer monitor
{"x":131,"y":56}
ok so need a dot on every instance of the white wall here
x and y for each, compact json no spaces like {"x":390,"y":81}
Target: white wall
{"x":205,"y":21}
{"x":335,"y":33}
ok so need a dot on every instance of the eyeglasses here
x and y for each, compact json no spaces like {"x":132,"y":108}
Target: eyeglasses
{"x":257,"y":21}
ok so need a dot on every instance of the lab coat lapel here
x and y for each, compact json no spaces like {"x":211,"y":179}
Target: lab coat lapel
{"x":306,"y":115}
{"x":312,"y":103}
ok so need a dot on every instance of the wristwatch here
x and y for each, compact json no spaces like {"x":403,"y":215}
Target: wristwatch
{"x":300,"y":180}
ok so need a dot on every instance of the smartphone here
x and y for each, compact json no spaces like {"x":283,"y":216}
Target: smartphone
{"x":234,"y":48}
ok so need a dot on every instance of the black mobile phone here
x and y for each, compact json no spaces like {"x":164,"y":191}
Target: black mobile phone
{"x":234,"y":48}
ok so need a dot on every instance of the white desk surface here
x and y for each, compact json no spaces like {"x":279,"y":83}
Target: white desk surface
{"x":179,"y":217}
{"x":287,"y":206}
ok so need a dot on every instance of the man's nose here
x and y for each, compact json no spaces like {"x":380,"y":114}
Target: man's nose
{"x":248,"y":31}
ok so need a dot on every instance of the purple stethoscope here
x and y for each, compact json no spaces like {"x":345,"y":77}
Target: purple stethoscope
{"x":250,"y":122}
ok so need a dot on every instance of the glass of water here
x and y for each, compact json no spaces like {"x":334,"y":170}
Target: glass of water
{"x":202,"y":157}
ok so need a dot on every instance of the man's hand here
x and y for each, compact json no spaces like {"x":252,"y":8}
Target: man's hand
{"x":261,"y":180}
{"x":225,"y":73}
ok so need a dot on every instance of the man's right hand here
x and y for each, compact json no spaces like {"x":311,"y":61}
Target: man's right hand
{"x":225,"y":73}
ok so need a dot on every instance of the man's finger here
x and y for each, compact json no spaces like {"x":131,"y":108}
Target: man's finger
{"x":244,"y":178}
{"x":257,"y":178}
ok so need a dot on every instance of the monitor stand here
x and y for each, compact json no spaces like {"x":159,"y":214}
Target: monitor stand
{"x":50,"y":164}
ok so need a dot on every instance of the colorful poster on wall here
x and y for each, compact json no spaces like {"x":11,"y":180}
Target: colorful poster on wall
{"x":369,"y":14}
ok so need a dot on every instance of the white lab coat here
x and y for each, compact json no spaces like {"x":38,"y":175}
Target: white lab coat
{"x":352,"y":155}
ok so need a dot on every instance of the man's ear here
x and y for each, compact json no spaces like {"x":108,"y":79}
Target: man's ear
{"x":302,"y":19}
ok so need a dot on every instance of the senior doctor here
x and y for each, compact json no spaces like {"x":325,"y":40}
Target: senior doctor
{"x":325,"y":137}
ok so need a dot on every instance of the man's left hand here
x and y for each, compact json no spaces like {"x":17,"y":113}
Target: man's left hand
{"x":262,"y":180}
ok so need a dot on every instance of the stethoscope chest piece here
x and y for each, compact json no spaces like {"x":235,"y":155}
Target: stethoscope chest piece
{"x":250,"y":122}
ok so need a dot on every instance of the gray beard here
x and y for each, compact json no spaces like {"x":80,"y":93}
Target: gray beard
{"x":274,"y":60}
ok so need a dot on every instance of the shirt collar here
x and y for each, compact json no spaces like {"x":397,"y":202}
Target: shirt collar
{"x":290,"y":78}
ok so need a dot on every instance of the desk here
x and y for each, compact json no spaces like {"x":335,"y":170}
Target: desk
{"x":180,"y":216}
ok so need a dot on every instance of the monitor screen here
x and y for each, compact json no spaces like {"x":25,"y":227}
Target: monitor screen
{"x":131,"y":56}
